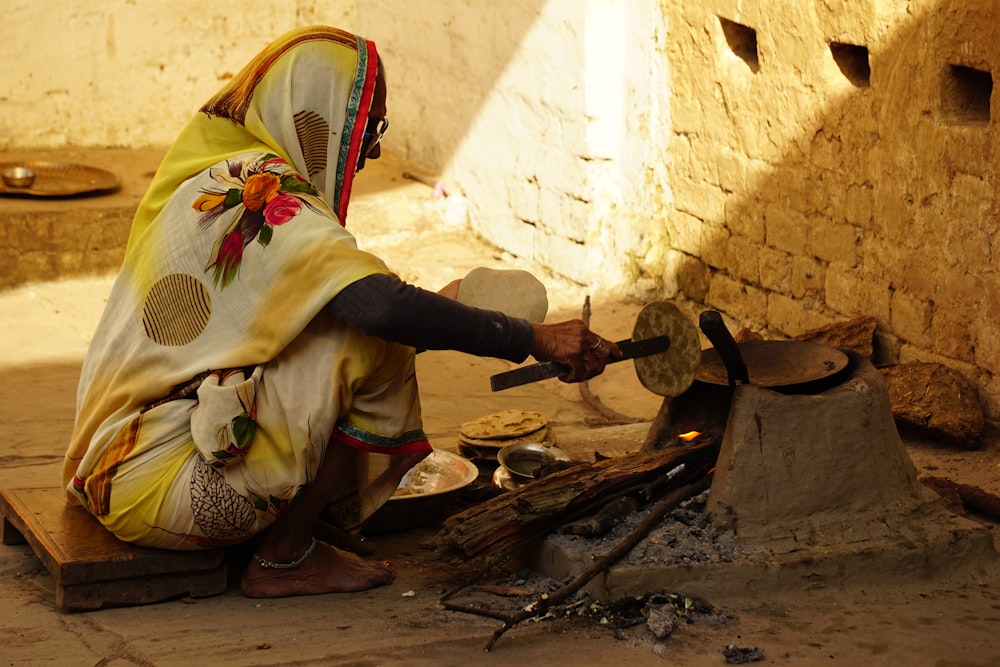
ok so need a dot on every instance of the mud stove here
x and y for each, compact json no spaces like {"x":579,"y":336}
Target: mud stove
{"x":815,"y":487}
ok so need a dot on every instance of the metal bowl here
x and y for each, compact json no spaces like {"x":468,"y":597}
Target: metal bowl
{"x":523,"y":459}
{"x":19,"y":177}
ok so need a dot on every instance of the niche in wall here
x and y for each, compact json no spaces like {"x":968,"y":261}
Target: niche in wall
{"x":965,"y":95}
{"x":743,"y":42}
{"x":853,"y":63}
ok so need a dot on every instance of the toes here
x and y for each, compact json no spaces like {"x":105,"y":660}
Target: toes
{"x":385,"y":572}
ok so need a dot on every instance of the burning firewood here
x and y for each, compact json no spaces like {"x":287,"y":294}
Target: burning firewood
{"x":496,"y":528}
{"x":603,"y":520}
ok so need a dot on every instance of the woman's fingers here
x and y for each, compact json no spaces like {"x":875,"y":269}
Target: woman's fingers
{"x":573,"y":344}
{"x":596,"y":357}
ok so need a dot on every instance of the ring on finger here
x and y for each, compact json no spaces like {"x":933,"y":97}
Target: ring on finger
{"x":597,"y":344}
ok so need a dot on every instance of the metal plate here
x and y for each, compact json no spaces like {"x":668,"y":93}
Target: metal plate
{"x":776,"y":363}
{"x":439,"y":473}
{"x":61,"y":179}
{"x":668,"y":373}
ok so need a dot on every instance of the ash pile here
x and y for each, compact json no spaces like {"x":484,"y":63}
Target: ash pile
{"x":685,"y":537}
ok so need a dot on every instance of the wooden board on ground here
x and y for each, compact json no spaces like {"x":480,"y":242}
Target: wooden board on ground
{"x":93,"y":569}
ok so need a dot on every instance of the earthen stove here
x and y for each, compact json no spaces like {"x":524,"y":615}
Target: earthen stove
{"x":815,"y":489}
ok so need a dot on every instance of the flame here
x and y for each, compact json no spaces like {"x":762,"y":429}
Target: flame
{"x":689,"y":436}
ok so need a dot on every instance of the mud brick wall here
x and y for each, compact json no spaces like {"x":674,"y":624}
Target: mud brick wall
{"x":789,"y":163}
{"x":833,"y":160}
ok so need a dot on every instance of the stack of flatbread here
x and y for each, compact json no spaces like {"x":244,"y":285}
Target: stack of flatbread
{"x":482,"y":438}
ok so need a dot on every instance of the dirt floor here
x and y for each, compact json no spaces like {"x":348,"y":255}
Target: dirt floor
{"x":951,"y":619}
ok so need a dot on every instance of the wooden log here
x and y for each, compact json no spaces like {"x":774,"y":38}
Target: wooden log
{"x":533,"y":510}
{"x":936,"y":402}
{"x":964,"y":498}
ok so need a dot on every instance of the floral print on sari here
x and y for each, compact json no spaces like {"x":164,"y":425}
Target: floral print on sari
{"x":255,"y":197}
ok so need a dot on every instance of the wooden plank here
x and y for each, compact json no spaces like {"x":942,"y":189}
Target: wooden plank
{"x":89,"y":565}
{"x":141,"y":590}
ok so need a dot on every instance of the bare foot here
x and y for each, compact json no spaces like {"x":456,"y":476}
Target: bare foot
{"x":326,"y":570}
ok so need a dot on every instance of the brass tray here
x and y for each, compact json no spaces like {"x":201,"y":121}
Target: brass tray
{"x":61,"y":179}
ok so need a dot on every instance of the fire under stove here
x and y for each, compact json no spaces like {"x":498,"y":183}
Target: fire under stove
{"x":813,"y":488}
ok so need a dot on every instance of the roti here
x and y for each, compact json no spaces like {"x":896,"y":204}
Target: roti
{"x":503,"y":425}
{"x":488,"y":451}
{"x":543,"y":436}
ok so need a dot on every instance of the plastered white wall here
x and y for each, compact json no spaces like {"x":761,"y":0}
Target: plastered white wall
{"x":543,"y":111}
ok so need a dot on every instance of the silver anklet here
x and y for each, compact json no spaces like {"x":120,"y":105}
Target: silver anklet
{"x":271,"y":565}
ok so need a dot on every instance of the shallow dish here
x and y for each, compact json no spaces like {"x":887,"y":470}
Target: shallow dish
{"x":503,"y":479}
{"x":59,"y":179}
{"x":522,"y":460}
{"x":440,"y":472}
{"x":424,"y":494}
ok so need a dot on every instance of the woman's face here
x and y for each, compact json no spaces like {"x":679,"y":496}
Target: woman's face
{"x":371,"y":149}
{"x":378,"y":109}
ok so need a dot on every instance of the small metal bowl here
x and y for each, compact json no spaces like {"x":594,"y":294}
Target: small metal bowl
{"x":523,"y":459}
{"x":19,"y":177}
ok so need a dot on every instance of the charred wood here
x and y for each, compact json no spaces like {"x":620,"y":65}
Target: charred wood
{"x":497,"y":525}
{"x":544,"y":603}
{"x":964,"y":498}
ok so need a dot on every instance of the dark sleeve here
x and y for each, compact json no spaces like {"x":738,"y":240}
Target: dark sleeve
{"x":382,"y":305}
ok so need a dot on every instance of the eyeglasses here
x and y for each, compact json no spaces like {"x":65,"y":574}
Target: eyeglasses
{"x":373,"y":136}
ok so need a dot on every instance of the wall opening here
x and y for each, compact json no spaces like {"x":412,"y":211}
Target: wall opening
{"x":965,"y":95}
{"x":743,"y":42}
{"x":853,"y":63}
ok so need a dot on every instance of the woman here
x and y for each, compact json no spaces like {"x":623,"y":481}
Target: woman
{"x":253,"y":369}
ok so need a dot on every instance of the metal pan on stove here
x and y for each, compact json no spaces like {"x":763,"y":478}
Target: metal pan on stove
{"x":766,"y":363}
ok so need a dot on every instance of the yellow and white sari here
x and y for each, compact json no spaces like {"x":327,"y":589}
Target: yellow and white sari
{"x":215,"y":380}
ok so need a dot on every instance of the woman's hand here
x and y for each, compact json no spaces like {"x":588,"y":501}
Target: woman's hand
{"x":573,"y":344}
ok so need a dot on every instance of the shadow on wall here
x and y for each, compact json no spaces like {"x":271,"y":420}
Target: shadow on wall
{"x":832,"y":163}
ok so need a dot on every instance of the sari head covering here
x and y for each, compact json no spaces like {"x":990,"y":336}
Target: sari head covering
{"x":216,"y":380}
{"x":305,"y":97}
